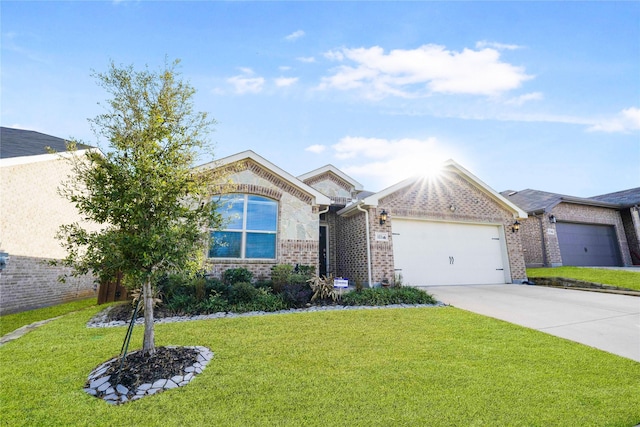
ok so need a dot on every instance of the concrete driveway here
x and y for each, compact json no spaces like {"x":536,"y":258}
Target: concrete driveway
{"x":604,"y":321}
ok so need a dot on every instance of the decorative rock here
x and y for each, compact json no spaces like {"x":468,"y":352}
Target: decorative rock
{"x":159,"y":383}
{"x":119,"y":394}
{"x":170,"y":384}
{"x":97,"y":383}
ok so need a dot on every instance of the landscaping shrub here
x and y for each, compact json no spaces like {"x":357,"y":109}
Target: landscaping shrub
{"x":183,"y":304}
{"x":242,"y":292}
{"x":323,"y":289}
{"x":280,"y":276}
{"x":386,"y":296}
{"x":297,"y":295}
{"x":236,"y":275}
{"x":262,"y":300}
{"x":215,"y":303}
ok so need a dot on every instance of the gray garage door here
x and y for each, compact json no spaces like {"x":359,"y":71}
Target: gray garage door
{"x":588,"y":244}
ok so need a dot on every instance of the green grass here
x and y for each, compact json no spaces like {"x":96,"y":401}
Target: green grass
{"x":619,"y":278}
{"x":11,"y":322}
{"x":418,"y":366}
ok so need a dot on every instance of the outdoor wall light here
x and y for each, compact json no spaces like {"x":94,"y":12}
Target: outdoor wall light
{"x":383,"y":217}
{"x":552,"y":219}
{"x":452,"y":208}
{"x":515,"y":227}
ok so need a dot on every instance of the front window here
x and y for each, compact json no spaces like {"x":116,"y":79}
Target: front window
{"x":250,"y":224}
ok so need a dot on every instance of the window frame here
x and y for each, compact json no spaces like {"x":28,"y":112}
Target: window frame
{"x":244,"y":232}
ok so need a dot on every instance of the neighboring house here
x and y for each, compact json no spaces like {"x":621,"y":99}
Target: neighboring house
{"x":31,"y":211}
{"x":629,"y":206}
{"x":571,"y":231}
{"x":449,"y":229}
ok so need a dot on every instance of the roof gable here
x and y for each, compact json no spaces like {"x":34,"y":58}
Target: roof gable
{"x":451,"y":166}
{"x":330,"y":169}
{"x":319,"y":198}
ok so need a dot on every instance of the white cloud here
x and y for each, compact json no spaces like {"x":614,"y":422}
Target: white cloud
{"x":246,"y":82}
{"x":423,"y":71}
{"x":295,"y":35}
{"x":284,"y":68}
{"x":306,"y":59}
{"x":316,"y":148}
{"x":286,"y":81}
{"x":500,"y":46}
{"x":520,"y":100}
{"x":388,"y":161}
{"x":626,"y":121}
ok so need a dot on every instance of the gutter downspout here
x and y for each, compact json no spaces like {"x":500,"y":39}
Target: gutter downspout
{"x":366,"y":215}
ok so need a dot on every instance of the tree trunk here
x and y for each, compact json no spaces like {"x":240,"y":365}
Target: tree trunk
{"x":148,"y":344}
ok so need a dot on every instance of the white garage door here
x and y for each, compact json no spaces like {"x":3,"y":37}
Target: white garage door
{"x":442,"y":253}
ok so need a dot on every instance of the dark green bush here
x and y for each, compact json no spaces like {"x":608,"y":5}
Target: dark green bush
{"x":280,"y":276}
{"x":242,"y":292}
{"x":263,"y":300}
{"x":235,"y":275}
{"x":215,"y":303}
{"x":297,"y":295}
{"x":183,"y":304}
{"x":386,"y":296}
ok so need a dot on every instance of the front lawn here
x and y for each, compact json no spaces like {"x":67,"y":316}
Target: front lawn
{"x":619,"y":278}
{"x":11,"y":322}
{"x":377,"y":367}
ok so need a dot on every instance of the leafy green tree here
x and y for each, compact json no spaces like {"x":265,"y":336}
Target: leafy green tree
{"x":154,"y":209}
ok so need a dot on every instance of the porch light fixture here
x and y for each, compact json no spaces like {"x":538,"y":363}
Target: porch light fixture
{"x":516,"y":226}
{"x":383,"y":217}
{"x":552,"y":219}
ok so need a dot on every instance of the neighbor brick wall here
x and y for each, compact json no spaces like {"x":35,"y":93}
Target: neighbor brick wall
{"x":31,"y":212}
{"x":595,"y":215}
{"x":631,"y":224}
{"x":540,"y":242}
{"x":29,"y":282}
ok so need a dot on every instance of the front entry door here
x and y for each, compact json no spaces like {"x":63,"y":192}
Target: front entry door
{"x":322,"y":256}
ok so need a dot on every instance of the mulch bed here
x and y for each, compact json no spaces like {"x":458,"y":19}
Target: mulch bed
{"x":139,"y":369}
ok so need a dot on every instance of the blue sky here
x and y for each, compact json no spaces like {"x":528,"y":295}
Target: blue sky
{"x":542,"y":95}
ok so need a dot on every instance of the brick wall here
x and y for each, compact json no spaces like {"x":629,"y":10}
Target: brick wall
{"x":631,"y":223}
{"x":298,"y":221}
{"x":449,"y":197}
{"x":29,"y":282}
{"x":351,"y":248}
{"x":31,"y":212}
{"x":539,"y":234}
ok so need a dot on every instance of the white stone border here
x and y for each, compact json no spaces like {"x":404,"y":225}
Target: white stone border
{"x":100,"y":386}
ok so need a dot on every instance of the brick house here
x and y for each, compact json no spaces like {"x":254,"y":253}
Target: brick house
{"x":628,"y":202}
{"x":31,"y":212}
{"x":448,"y":229}
{"x":565,"y":230}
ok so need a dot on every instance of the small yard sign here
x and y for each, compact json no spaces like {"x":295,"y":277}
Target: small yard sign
{"x":339,"y":282}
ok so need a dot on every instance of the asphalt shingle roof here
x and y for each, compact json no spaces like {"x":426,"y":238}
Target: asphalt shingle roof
{"x":628,"y":197}
{"x":20,"y":142}
{"x":534,"y":200}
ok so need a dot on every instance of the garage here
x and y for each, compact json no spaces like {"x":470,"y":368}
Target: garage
{"x":447,"y":253}
{"x":588,"y":244}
